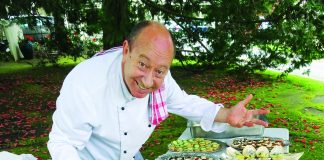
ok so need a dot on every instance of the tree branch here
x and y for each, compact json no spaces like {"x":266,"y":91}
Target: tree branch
{"x":173,"y":13}
{"x":188,"y":31}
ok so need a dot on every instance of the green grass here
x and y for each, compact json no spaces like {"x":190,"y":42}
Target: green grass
{"x":9,"y":67}
{"x":290,"y":98}
{"x":32,"y":91}
{"x":31,"y":146}
{"x":286,"y":98}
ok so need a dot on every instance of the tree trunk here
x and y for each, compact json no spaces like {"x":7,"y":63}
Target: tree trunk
{"x":60,"y":36}
{"x":116,"y":22}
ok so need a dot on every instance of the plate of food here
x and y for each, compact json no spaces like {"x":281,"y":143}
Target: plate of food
{"x":260,"y":153}
{"x":269,"y":142}
{"x":187,"y":156}
{"x":197,"y":145}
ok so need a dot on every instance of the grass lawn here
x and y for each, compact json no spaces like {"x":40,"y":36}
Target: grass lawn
{"x":28,"y":94}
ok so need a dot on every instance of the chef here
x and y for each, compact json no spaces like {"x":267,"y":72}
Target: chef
{"x":110,"y":104}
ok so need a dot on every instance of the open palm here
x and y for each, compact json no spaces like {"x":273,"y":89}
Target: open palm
{"x":239,"y":116}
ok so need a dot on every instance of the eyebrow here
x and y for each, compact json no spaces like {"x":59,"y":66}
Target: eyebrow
{"x":148,"y":59}
{"x":143,"y":56}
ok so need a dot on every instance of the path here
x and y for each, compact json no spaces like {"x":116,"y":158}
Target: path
{"x":316,"y":70}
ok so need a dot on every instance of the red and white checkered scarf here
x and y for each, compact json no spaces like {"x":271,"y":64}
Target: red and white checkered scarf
{"x":157,"y":106}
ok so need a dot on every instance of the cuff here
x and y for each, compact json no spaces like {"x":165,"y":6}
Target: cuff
{"x":208,"y":123}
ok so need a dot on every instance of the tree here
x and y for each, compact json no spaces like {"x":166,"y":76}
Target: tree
{"x":242,"y":35}
{"x":75,"y":13}
{"x":89,"y":16}
{"x":115,"y":22}
{"x":70,"y":17}
{"x":283,"y":32}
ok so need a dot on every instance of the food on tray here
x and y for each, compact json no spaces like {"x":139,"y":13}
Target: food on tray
{"x":187,"y":156}
{"x":240,"y":143}
{"x":277,"y":150}
{"x":191,"y":158}
{"x":194,"y":145}
{"x":249,"y":151}
{"x":261,"y":153}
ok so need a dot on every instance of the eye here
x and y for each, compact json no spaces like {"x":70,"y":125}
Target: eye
{"x":159,"y":72}
{"x":142,"y":64}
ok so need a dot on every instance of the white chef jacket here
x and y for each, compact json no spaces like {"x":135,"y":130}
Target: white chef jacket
{"x":97,"y":118}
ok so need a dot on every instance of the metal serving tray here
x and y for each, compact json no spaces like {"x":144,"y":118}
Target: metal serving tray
{"x":230,"y":132}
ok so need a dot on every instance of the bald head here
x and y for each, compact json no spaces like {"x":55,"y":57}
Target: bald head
{"x":147,"y":57}
{"x":150,"y":31}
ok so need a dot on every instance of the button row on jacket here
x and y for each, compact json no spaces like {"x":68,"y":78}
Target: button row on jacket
{"x":125,"y":133}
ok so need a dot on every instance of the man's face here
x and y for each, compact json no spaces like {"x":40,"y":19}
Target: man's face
{"x":148,"y":61}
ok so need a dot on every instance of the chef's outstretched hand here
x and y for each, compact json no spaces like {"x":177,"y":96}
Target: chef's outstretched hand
{"x":239,"y":116}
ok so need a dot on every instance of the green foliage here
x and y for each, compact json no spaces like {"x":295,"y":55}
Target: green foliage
{"x":242,"y":35}
{"x":245,"y":35}
{"x":79,"y":16}
{"x":6,"y":56}
{"x":83,"y":45}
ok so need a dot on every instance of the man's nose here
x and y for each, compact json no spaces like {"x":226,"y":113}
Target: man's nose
{"x":148,"y":80}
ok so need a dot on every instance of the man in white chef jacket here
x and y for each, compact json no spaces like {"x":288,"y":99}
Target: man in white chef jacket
{"x":110,"y":104}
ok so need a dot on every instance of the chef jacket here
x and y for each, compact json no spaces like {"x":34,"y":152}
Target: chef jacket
{"x":96,"y":117}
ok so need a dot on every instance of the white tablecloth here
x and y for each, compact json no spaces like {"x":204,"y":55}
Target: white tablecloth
{"x":4,"y":155}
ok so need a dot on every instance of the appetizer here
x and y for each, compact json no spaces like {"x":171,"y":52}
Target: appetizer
{"x":194,"y":145}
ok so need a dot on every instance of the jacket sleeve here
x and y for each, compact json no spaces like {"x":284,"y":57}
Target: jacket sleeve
{"x":72,"y":123}
{"x":192,"y":107}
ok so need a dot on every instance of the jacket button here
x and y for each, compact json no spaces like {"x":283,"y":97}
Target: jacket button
{"x":149,"y":125}
{"x":125,"y":133}
{"x":125,"y":151}
{"x":122,"y":108}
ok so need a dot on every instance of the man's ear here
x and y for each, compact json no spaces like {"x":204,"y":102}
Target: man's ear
{"x":125,"y":48}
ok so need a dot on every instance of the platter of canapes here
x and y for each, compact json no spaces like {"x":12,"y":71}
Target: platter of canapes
{"x":261,"y":153}
{"x":240,"y":143}
{"x":239,"y":148}
{"x":187,"y":156}
{"x":200,"y":145}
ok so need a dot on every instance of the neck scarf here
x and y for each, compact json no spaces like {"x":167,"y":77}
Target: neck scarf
{"x":157,"y":106}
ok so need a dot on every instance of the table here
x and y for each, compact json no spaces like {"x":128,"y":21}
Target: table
{"x":268,"y":132}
